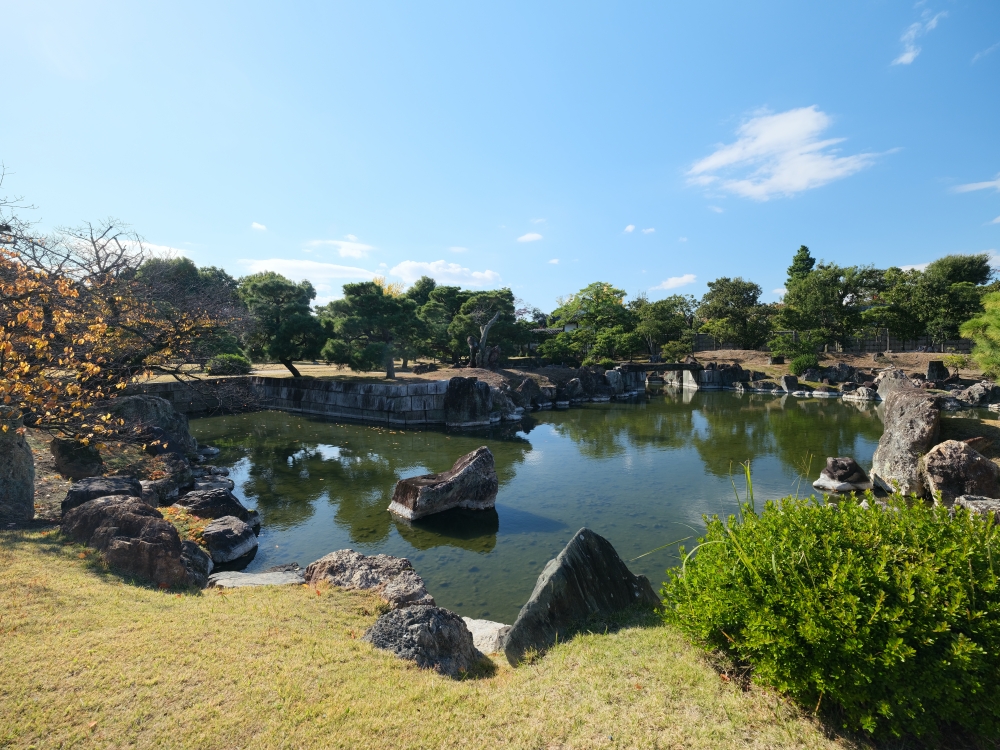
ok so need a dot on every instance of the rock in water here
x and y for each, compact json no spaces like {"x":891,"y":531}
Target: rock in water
{"x":954,"y":468}
{"x":154,"y":413}
{"x":470,"y":483}
{"x":228,"y":539}
{"x":75,"y":460}
{"x":197,"y":562}
{"x":890,"y":381}
{"x":937,"y":371}
{"x":574,"y":389}
{"x":614,"y":381}
{"x":527,"y":394}
{"x":95,"y":487}
{"x":432,"y":637}
{"x":132,"y":537}
{"x":17,"y":475}
{"x":488,"y":636}
{"x":842,"y":475}
{"x":216,"y":504}
{"x":586,"y":578}
{"x":862,"y":393}
{"x":789,"y":383}
{"x":912,"y":425}
{"x":391,"y":578}
{"x":467,"y":403}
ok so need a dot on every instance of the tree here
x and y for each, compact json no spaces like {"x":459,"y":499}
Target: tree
{"x":733,"y":312}
{"x":420,"y":291}
{"x":802,"y":265}
{"x":596,"y":306}
{"x":284,"y":327}
{"x":830,"y":300}
{"x":948,"y":293}
{"x":366,"y":327}
{"x":485,"y":314}
{"x":984,"y":330}
{"x":443,"y":304}
{"x":663,"y":320}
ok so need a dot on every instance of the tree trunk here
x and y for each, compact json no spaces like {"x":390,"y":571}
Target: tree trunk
{"x":484,"y":332}
{"x":291,"y":368}
{"x":405,"y":359}
{"x":390,"y":365}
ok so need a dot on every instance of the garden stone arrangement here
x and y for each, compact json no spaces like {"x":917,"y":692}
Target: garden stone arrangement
{"x":471,"y":483}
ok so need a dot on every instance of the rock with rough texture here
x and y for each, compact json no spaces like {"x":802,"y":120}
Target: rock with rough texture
{"x":842,"y":475}
{"x":132,"y":537}
{"x":488,"y":636}
{"x":587,"y":578}
{"x":154,"y":413}
{"x":978,"y":394}
{"x":527,"y":394}
{"x":75,"y":460}
{"x":197,"y":562}
{"x":789,"y":383}
{"x":470,"y":483}
{"x":954,"y":468}
{"x":863,"y":393}
{"x":890,"y":381}
{"x":980,"y":505}
{"x":504,"y":404}
{"x":467,"y":403}
{"x":217,"y":503}
{"x":95,"y":487}
{"x":432,"y":637}
{"x":614,"y":381}
{"x":937,"y":371}
{"x":912,"y":425}
{"x":391,"y":578}
{"x":166,"y":490}
{"x":228,"y":539}
{"x":17,"y":475}
{"x":236,"y":580}
{"x":574,"y":389}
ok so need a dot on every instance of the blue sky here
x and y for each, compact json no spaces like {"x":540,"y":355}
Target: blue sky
{"x":537,"y":146}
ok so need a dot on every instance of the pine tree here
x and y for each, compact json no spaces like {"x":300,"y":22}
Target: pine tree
{"x":802,"y":265}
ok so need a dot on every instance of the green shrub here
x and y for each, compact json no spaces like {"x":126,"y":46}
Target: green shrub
{"x":787,"y":346}
{"x":956,"y":361}
{"x":887,"y":621}
{"x":802,"y":363}
{"x":228,"y":364}
{"x":675,"y":351}
{"x":608,"y":363}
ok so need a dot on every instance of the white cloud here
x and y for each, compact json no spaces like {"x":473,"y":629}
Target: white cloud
{"x":777,"y":154}
{"x":682,"y":239}
{"x":995,"y":184}
{"x":444,"y":273}
{"x":915,"y":266}
{"x":980,"y":55}
{"x":350,"y":237}
{"x":327,"y":278}
{"x":459,"y":249}
{"x":383,"y":265}
{"x":913,"y":32}
{"x":257,"y":227}
{"x":538,"y":221}
{"x":630,"y":228}
{"x":716,"y":209}
{"x":345,"y":248}
{"x":554,"y":261}
{"x":164,"y":251}
{"x":675,"y":281}
{"x":996,"y":220}
{"x":529,"y":237}
{"x":780,"y":291}
{"x":648,"y":231}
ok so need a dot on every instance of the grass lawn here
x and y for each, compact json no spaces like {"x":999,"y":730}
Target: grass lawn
{"x":90,"y":660}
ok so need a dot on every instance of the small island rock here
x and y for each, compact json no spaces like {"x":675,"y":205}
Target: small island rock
{"x":471,"y":483}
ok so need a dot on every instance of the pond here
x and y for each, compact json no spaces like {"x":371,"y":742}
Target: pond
{"x":641,"y":474}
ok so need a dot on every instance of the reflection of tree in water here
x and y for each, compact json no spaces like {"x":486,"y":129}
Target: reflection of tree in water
{"x":605,"y":432}
{"x":294,"y":461}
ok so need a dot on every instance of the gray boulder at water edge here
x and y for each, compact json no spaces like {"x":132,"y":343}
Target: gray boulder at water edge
{"x":132,"y":537}
{"x":155,"y":414}
{"x":953,"y":468}
{"x":467,"y":403}
{"x":217,"y":503}
{"x":789,"y":383}
{"x":890,"y":381}
{"x":95,"y":487}
{"x":527,"y":394}
{"x":432,"y":637}
{"x":842,"y":474}
{"x":937,"y":371}
{"x":470,"y":483}
{"x":17,"y":474}
{"x":391,"y":578}
{"x":587,"y":578}
{"x":912,"y":424}
{"x":229,"y":539}
{"x":488,"y":636}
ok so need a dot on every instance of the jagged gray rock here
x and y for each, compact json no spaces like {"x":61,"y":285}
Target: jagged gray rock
{"x":467,"y":403}
{"x":937,"y":371}
{"x":433,"y":637}
{"x":890,"y":381}
{"x":527,"y":394}
{"x":17,"y":474}
{"x":862,"y":393}
{"x":470,"y":483}
{"x":842,"y":474}
{"x":229,"y":539}
{"x":391,"y":578}
{"x":789,"y":383}
{"x":197,"y":562}
{"x":153,"y":412}
{"x":587,"y":578}
{"x":912,"y":425}
{"x":217,"y":503}
{"x":954,"y":468}
{"x":980,"y":505}
{"x":95,"y":487}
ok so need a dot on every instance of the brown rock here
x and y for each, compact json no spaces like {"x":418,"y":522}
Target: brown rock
{"x":953,"y":469}
{"x":391,"y":578}
{"x":75,"y":460}
{"x":17,"y":474}
{"x":470,"y":483}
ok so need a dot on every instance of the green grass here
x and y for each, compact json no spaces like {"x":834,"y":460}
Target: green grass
{"x":88,"y":659}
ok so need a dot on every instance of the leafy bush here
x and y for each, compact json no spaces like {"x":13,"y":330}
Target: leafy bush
{"x":786,"y":345}
{"x":886,"y":621}
{"x":675,"y":351}
{"x":608,"y":364}
{"x":228,"y":364}
{"x":956,"y":361}
{"x":802,"y":363}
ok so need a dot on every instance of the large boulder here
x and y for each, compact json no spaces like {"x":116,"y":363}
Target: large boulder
{"x":592,"y":381}
{"x":132,"y":537}
{"x":504,"y":405}
{"x":587,"y":578}
{"x":789,"y":383}
{"x":861,"y":393}
{"x":978,"y":394}
{"x":527,"y":394}
{"x":467,"y":403}
{"x":432,"y":637}
{"x":842,"y":474}
{"x":17,"y":474}
{"x":95,"y":487}
{"x":470,"y":483}
{"x":75,"y":460}
{"x":393,"y":579}
{"x":167,"y":489}
{"x":937,"y":371}
{"x":912,"y":424}
{"x":890,"y":381}
{"x":614,"y":381}
{"x":217,"y":503}
{"x":197,"y":562}
{"x":573,"y":389}
{"x":954,"y":468}
{"x":157,"y":418}
{"x":229,"y":540}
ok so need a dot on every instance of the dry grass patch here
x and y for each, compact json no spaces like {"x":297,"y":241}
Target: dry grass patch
{"x":90,"y":660}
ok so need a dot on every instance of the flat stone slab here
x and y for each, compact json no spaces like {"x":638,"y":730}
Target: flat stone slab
{"x":237,"y":580}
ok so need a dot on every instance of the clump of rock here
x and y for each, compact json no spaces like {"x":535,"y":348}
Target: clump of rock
{"x":230,"y":540}
{"x":75,"y":460}
{"x":587,"y":578}
{"x":953,"y":468}
{"x":912,"y":425}
{"x":237,"y":580}
{"x":95,"y":487}
{"x":156,"y":418}
{"x":842,"y":474}
{"x":17,"y":474}
{"x":217,"y":503}
{"x":432,"y":637}
{"x":488,"y":636}
{"x":391,"y":578}
{"x":980,"y":505}
{"x":470,"y":483}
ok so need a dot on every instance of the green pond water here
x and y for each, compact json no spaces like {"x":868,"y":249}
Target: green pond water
{"x":641,"y":474}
